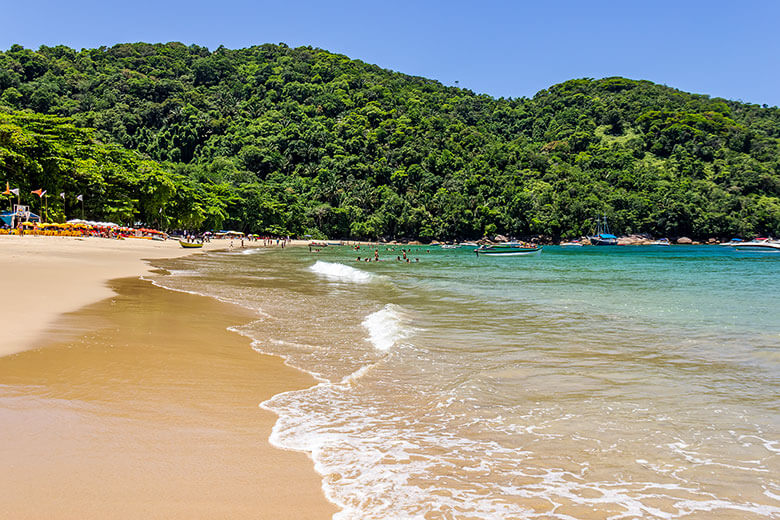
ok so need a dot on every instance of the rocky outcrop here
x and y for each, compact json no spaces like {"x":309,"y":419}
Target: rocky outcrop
{"x":635,"y":240}
{"x":684,"y":240}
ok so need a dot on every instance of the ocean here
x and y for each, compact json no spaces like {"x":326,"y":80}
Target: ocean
{"x":593,"y":382}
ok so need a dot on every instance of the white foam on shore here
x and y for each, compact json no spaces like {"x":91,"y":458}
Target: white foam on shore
{"x":340,"y":272}
{"x":381,"y":458}
{"x":387,"y":327}
{"x":253,"y":250}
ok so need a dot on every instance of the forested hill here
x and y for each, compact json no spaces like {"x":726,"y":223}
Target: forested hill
{"x":303,"y":141}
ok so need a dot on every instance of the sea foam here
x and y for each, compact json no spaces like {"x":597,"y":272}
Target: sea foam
{"x":387,"y":326}
{"x":340,"y":272}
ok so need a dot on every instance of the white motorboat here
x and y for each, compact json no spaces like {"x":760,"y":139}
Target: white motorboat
{"x":759,"y":245}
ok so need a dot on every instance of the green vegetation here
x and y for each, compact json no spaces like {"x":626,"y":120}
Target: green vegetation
{"x":45,"y":151}
{"x":281,"y":140}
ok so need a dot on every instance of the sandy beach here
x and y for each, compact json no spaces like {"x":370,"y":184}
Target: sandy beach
{"x":44,"y":277}
{"x":119,"y":399}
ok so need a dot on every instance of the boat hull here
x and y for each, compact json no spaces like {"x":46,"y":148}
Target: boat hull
{"x":190,"y":245}
{"x":507,"y":251}
{"x":758,"y":248}
{"x":761,"y":245}
{"x":597,"y":241}
{"x":510,"y":253}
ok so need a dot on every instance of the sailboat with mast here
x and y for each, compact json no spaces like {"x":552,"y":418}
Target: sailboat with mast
{"x":602,"y":236}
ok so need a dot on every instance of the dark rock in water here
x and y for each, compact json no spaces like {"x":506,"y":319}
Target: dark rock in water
{"x":684,"y":240}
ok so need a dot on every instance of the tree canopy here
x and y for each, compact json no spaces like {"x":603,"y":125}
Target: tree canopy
{"x":304,"y":141}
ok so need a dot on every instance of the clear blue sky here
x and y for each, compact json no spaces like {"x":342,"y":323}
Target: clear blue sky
{"x":502,"y":48}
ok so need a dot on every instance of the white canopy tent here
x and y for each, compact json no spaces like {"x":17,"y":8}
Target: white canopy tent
{"x":92,"y":223}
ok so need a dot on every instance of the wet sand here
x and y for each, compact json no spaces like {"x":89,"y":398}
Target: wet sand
{"x":144,"y":406}
{"x":42,"y":277}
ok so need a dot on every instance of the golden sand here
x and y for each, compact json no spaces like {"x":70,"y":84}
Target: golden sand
{"x":42,"y":277}
{"x":143,"y":405}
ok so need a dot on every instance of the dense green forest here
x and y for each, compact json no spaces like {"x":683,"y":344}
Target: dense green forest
{"x":303,"y":141}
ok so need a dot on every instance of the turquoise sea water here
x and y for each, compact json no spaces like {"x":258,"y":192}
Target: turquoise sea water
{"x":615,"y":382}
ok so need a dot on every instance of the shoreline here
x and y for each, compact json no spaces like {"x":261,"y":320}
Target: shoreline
{"x":105,"y":418}
{"x":46,"y":277}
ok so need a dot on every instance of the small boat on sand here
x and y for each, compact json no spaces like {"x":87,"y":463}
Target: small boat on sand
{"x":188,"y":245}
{"x":508,"y":249}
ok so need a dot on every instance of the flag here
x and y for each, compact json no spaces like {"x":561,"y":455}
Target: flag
{"x":40,"y":192}
{"x":7,"y":189}
{"x":80,"y":197}
{"x":62,"y":195}
{"x":15,"y":191}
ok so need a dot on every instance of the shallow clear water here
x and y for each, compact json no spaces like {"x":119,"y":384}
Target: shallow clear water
{"x":618,"y":382}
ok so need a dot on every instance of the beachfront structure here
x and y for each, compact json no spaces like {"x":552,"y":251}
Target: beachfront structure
{"x":19,"y":214}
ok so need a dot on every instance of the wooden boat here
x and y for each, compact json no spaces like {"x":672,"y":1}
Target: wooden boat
{"x":602,"y":236}
{"x":507,"y":249}
{"x":188,"y":245}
